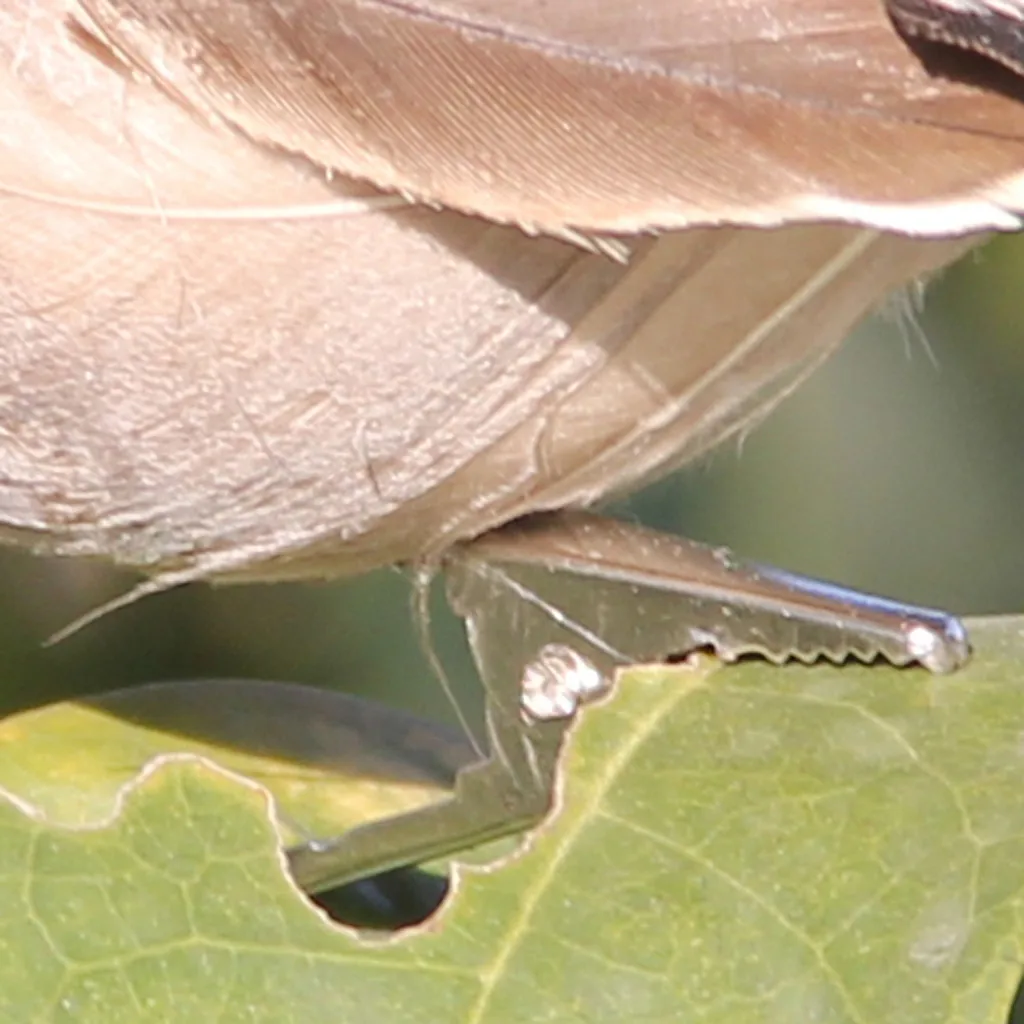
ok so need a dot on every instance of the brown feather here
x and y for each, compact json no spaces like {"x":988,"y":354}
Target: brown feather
{"x":611,"y":116}
{"x":218,"y":360}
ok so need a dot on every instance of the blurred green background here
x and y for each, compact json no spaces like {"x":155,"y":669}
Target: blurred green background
{"x":899,"y":468}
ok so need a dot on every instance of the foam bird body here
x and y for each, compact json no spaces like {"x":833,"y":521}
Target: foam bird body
{"x":294,"y":288}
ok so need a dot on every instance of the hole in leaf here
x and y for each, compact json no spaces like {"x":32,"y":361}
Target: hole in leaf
{"x":388,"y":902}
{"x":1017,"y":1006}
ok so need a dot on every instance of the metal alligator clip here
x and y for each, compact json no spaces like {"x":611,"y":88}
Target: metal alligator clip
{"x":554,"y":605}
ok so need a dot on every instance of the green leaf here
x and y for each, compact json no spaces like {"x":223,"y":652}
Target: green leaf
{"x":734,"y":844}
{"x":331,"y":761}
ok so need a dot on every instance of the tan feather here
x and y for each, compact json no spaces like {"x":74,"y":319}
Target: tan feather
{"x":611,"y":116}
{"x":218,"y":359}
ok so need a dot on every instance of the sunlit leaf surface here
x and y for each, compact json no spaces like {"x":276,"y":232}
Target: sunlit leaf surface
{"x":734,"y":844}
